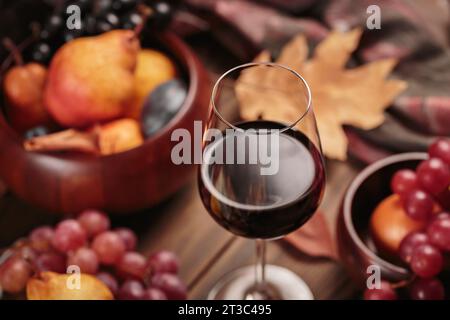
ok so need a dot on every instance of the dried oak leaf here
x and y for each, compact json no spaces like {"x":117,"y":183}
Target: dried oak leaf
{"x":356,"y":96}
{"x":314,"y":238}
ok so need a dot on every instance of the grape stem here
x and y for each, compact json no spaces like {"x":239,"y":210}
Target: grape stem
{"x":145,"y":12}
{"x":15,"y":52}
{"x":35,"y":30}
{"x":403,"y":283}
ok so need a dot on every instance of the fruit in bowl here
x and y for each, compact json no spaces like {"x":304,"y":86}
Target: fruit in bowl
{"x":96,"y":73}
{"x":92,"y":82}
{"x":23,"y":87}
{"x":389,"y":225}
{"x":91,"y":79}
{"x":424,"y":247}
{"x":121,"y":164}
{"x":87,"y":252}
{"x":153,"y":69}
{"x":408,"y":230}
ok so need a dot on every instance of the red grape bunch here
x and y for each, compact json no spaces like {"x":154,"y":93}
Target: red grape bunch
{"x":425,"y":194}
{"x":89,"y":243}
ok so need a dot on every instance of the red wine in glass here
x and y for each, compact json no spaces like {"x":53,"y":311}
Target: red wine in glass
{"x":252,"y":205}
{"x":261,"y":199}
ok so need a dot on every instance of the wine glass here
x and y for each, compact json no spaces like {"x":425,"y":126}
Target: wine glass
{"x":262,"y":176}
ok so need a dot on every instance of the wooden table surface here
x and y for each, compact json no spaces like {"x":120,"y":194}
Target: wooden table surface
{"x":206,"y":250}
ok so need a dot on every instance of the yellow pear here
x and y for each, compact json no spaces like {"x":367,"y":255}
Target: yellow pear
{"x":23,"y":86}
{"x":91,"y":79}
{"x":153,"y":68}
{"x":55,"y":286}
{"x":119,"y":136}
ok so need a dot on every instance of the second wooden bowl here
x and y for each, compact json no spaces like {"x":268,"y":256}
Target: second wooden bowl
{"x":366,"y":191}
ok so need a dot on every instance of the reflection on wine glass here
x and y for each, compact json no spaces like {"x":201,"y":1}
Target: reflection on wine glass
{"x":261,"y":179}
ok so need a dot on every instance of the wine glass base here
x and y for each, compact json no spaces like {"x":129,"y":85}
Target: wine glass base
{"x":282,"y":284}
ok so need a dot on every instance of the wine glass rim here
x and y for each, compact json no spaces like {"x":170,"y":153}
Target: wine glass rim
{"x":254,"y":64}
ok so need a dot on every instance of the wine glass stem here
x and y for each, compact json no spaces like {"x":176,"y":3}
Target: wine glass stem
{"x":260,"y":263}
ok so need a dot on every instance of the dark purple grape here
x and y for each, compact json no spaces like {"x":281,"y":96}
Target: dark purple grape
{"x":112,"y":19}
{"x":102,"y":26}
{"x":53,"y":25}
{"x":107,"y":23}
{"x":161,"y":105}
{"x":121,"y":6}
{"x":69,"y":35}
{"x":101,"y":7}
{"x":89,"y":24}
{"x":36,"y":132}
{"x":131,"y":20}
{"x":41,"y":52}
{"x":162,"y":13}
{"x":45,"y":34}
{"x":85,"y":5}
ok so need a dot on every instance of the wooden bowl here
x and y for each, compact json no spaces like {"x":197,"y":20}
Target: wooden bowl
{"x":120,"y":183}
{"x":372,"y":185}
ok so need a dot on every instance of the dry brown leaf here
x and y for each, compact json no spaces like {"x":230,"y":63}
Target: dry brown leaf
{"x":314,"y":238}
{"x":119,"y":136}
{"x":66,"y":140}
{"x":356,"y":96}
{"x":110,"y":138}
